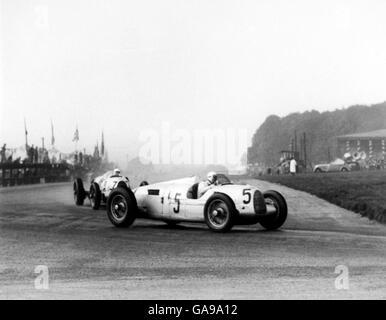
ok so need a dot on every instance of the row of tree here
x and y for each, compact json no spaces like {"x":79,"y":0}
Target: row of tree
{"x":321,"y":129}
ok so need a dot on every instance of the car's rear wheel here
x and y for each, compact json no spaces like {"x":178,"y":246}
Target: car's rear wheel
{"x":344,"y":169}
{"x":277,"y":219}
{"x":318,"y":170}
{"x":95,"y":196}
{"x":121,"y":207}
{"x":220,"y":213}
{"x":79,"y":192}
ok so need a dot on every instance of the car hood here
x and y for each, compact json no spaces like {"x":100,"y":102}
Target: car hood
{"x":322,"y":165}
{"x":232,"y":188}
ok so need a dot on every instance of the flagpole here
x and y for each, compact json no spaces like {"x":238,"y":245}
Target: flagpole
{"x":76,"y":138}
{"x":26,"y":135}
{"x":103,"y":146}
{"x":52,"y":135}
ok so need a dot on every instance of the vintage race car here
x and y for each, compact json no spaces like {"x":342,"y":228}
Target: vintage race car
{"x":222,"y":207}
{"x":100,"y":188}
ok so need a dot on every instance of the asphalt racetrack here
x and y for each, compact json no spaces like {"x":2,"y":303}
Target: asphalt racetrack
{"x":88,"y":258}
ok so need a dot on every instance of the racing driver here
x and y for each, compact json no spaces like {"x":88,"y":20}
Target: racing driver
{"x":204,"y":186}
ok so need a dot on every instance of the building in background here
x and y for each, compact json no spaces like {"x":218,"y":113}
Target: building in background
{"x":369,"y":145}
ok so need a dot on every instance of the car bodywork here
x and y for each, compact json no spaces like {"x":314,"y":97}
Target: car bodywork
{"x":108,"y":182}
{"x":100,"y":188}
{"x":177,"y":200}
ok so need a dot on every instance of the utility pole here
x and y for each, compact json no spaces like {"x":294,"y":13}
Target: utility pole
{"x":43,"y":143}
{"x":295,"y":144}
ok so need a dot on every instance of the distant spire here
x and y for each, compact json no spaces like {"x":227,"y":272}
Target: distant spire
{"x":52,"y":134}
{"x":96,"y":151}
{"x":76,"y":134}
{"x":103,"y":145}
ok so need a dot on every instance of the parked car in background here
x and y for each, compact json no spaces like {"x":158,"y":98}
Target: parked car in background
{"x":337,"y":165}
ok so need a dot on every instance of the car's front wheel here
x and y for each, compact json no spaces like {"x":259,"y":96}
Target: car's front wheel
{"x":121,"y":207}
{"x":275,"y":220}
{"x":95,"y":196}
{"x":79,"y":192}
{"x":219,"y":213}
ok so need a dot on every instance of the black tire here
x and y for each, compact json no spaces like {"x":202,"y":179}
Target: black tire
{"x":95,"y":196}
{"x":220,"y":213}
{"x":79,"y":192}
{"x":144,"y":183}
{"x":275,"y":221}
{"x":121,"y":207}
{"x":318,"y":170}
{"x":344,"y":169}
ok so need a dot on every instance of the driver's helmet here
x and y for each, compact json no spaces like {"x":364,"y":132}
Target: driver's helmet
{"x":212,"y":177}
{"x":117,"y":172}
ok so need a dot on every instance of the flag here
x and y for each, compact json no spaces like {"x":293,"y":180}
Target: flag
{"x":52,"y":134}
{"x":103,"y":145}
{"x":76,"y":135}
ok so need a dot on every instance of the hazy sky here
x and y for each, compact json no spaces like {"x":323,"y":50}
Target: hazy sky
{"x":123,"y":66}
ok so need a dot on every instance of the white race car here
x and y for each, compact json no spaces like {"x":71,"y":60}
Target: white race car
{"x":100,"y":188}
{"x":221,"y":207}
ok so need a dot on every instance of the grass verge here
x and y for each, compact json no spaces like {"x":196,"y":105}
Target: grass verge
{"x":363,"y":192}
